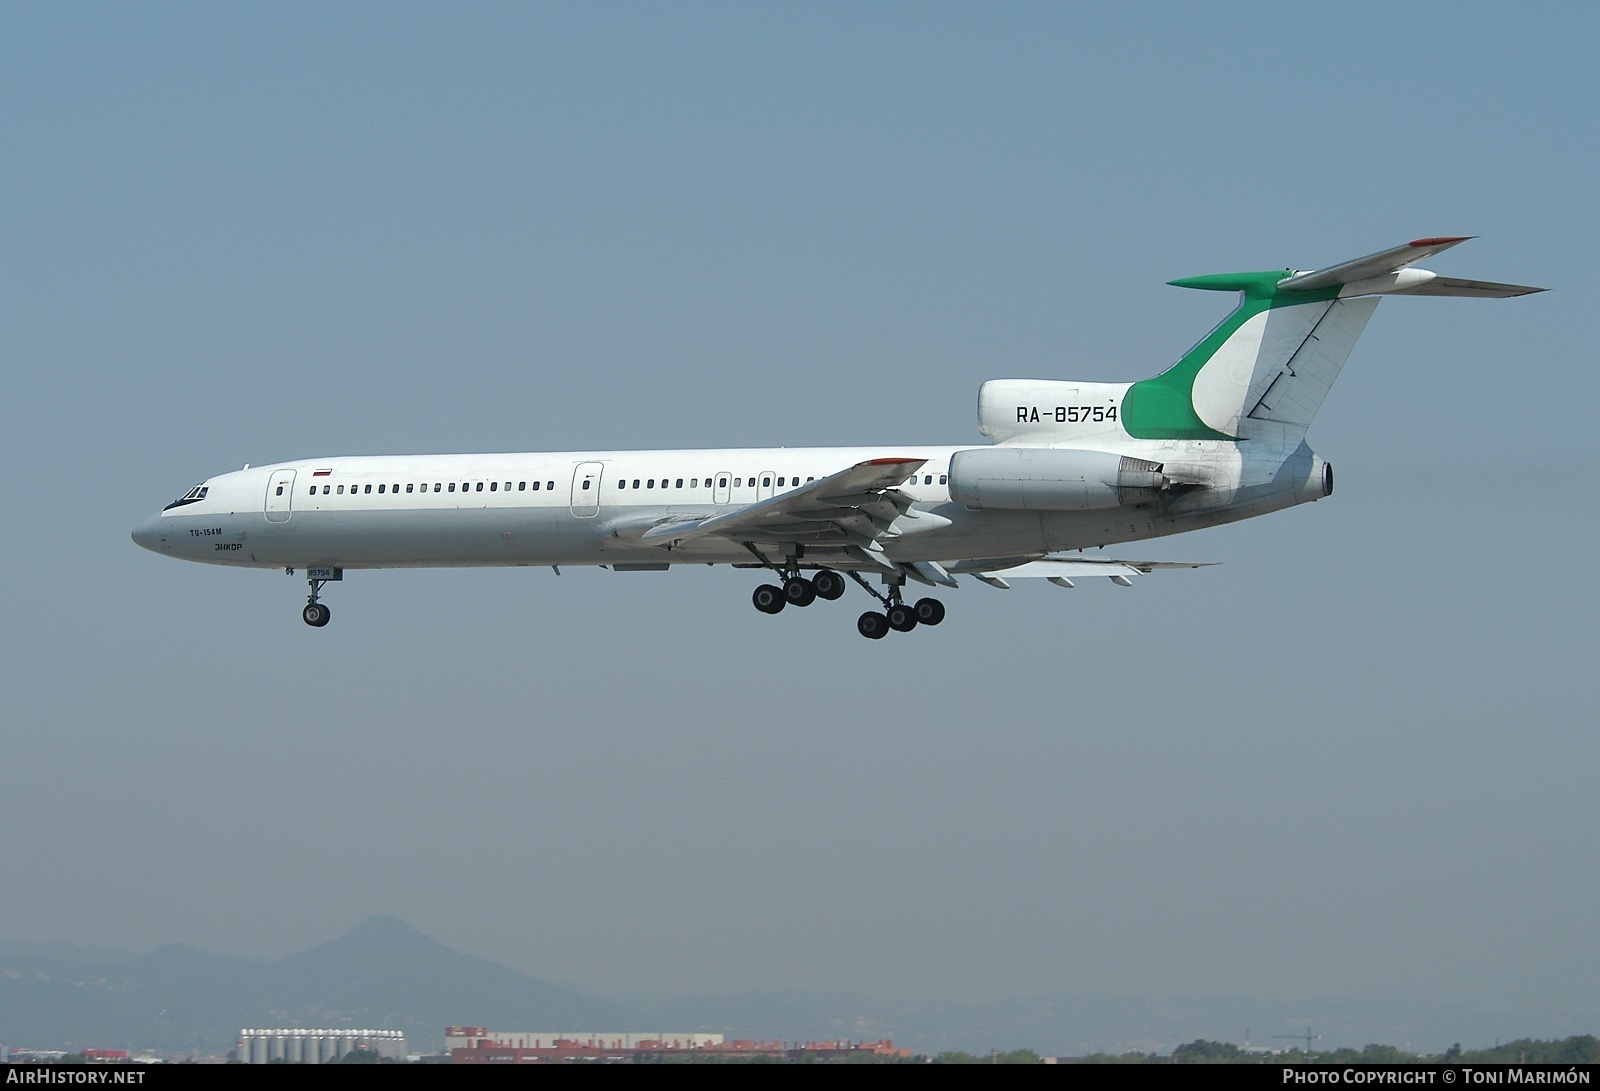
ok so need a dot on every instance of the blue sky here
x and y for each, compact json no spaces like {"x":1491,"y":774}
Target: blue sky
{"x":1355,"y":759}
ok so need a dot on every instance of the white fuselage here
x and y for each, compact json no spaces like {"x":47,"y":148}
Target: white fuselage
{"x":588,"y":508}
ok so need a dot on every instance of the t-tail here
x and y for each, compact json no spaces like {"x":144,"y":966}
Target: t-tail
{"x":1262,"y":373}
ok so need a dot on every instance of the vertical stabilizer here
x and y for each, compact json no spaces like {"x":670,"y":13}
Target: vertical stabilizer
{"x":1289,"y":343}
{"x":1263,"y":373}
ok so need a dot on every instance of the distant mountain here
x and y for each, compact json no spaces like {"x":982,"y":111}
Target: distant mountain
{"x":385,"y":974}
{"x":179,"y":999}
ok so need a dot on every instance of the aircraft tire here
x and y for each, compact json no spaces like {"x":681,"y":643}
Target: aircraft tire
{"x":901,"y":618}
{"x":929,"y":611}
{"x":768,"y":599}
{"x":873,"y":626}
{"x":829,"y":584}
{"x":315,"y":615}
{"x":799,"y":591}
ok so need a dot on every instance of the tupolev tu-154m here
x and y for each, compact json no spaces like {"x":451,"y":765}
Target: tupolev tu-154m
{"x":1217,"y":437}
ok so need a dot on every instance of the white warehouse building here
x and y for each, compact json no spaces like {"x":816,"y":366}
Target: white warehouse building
{"x":301,"y":1045}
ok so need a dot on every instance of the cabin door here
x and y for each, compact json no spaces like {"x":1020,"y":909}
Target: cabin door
{"x":586,"y":489}
{"x":280,"y":496}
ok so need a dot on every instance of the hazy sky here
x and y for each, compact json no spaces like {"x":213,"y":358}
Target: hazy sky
{"x":1358,"y":758}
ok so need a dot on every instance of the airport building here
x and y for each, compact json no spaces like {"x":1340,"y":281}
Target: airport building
{"x":478,"y":1045}
{"x":300,"y":1045}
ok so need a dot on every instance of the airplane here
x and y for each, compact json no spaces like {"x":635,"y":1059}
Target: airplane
{"x":1218,"y":437}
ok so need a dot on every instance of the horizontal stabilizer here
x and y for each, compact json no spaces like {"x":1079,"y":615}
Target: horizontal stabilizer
{"x":1480,"y":289}
{"x":1389,"y":272}
{"x":1373,"y":265}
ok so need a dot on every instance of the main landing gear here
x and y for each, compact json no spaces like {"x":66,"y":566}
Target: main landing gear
{"x":798,"y":590}
{"x":896,"y":614}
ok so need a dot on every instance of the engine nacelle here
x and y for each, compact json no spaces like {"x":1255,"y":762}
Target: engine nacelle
{"x":1052,"y":479}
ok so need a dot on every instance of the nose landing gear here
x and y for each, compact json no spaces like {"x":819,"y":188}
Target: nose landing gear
{"x":315,"y":614}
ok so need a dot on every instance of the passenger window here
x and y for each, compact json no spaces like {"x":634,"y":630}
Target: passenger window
{"x":650,"y":484}
{"x":369,"y":488}
{"x":943,"y":480}
{"x":508,"y":486}
{"x":766,"y":482}
{"x":927,"y":479}
{"x":522,"y":486}
{"x":480,"y":486}
{"x":679,"y":485}
{"x":492,"y":486}
{"x":586,"y":483}
{"x":435,"y":486}
{"x":280,"y":490}
{"x":452,"y":486}
{"x":549,"y":484}
{"x":737,"y":481}
{"x":380,"y":490}
{"x":535,"y":486}
{"x":636,"y":482}
{"x":325,"y":490}
{"x":722,"y":483}
{"x":313,"y":490}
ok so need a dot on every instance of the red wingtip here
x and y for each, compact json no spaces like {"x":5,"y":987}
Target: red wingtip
{"x":1441,"y":240}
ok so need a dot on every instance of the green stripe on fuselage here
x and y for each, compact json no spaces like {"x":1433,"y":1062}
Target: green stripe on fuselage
{"x":1163,"y":407}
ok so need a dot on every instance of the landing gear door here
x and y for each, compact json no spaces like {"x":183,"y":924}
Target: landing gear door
{"x":280,"y":496}
{"x":586,"y":489}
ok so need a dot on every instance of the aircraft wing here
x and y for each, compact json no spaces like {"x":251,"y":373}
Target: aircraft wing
{"x":1060,"y":570}
{"x":852,"y":507}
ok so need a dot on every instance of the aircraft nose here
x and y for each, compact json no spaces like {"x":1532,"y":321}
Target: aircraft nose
{"x":150,"y":534}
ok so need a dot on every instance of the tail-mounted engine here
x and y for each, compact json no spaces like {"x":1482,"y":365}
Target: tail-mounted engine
{"x":1055,"y":479}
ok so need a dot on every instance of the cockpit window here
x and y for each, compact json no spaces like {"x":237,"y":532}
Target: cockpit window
{"x":194,"y":495}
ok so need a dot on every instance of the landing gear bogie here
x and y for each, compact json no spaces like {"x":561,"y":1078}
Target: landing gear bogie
{"x":768,"y":599}
{"x":901,"y":618}
{"x":828,"y":584}
{"x":872,"y":625}
{"x":799,"y":591}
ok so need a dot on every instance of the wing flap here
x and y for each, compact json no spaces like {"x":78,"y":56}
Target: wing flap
{"x":1060,"y":570}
